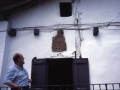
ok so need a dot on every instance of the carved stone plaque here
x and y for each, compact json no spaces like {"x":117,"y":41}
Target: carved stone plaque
{"x":58,"y":42}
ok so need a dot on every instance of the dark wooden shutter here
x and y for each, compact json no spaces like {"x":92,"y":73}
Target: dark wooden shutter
{"x":39,"y":72}
{"x":81,"y":74}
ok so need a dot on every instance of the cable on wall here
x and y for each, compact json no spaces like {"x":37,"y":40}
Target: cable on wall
{"x":64,"y":56}
{"x":72,"y":27}
{"x":59,"y":55}
{"x":115,"y":17}
{"x":79,"y":32}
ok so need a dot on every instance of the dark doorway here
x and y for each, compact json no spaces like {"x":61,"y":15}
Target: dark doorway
{"x":60,"y":72}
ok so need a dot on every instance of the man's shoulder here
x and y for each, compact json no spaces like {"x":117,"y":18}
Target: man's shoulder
{"x":12,"y":68}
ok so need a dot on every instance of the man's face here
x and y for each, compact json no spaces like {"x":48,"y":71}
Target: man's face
{"x":22,"y":60}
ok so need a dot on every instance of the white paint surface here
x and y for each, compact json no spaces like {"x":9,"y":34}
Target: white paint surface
{"x":102,"y":50}
{"x":95,"y":11}
{"x":3,"y":28}
{"x":38,"y":46}
{"x":103,"y":53}
{"x":45,"y":14}
{"x":2,"y":46}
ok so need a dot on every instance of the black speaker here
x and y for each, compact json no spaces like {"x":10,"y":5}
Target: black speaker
{"x":95,"y":31}
{"x":65,"y":9}
{"x":12,"y":32}
{"x":36,"y":32}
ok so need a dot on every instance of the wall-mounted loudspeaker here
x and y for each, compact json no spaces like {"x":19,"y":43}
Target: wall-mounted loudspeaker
{"x":95,"y":31}
{"x":65,"y":9}
{"x":36,"y":32}
{"x":12,"y":32}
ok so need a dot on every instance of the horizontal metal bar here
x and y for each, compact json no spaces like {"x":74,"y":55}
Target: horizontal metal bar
{"x":71,"y":85}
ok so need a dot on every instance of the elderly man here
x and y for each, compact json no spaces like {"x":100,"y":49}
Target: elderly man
{"x":17,"y":76}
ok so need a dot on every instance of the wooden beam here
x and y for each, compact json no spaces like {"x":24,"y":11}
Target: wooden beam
{"x":13,"y":4}
{"x":3,"y":2}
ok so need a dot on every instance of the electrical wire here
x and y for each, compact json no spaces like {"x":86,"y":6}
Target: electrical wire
{"x":72,"y":27}
{"x":115,"y":17}
{"x":77,"y":21}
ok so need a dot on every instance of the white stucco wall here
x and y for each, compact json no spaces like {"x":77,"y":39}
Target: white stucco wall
{"x":41,"y":15}
{"x":39,"y":46}
{"x":102,"y":50}
{"x":3,"y":28}
{"x":95,"y":11}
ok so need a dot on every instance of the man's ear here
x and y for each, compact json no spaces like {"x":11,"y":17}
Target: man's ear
{"x":19,"y":59}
